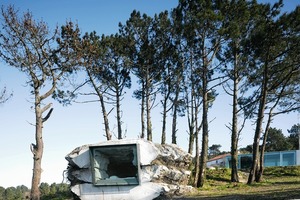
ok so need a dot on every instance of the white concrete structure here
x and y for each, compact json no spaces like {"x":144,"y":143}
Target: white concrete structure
{"x":93,"y":178}
{"x":218,"y":161}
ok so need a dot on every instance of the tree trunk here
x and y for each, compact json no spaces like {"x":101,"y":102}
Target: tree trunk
{"x":197,"y":158}
{"x":149,"y":123}
{"x":164,"y":121}
{"x":196,"y":134}
{"x":234,"y":163}
{"x":203,"y":158}
{"x":143,"y":112}
{"x":263,"y":147}
{"x":37,"y":150}
{"x":174,"y":122}
{"x":101,"y":99}
{"x":105,"y":118}
{"x":191,"y":122}
{"x":148,"y":111}
{"x":174,"y":125}
{"x":119,"y":122}
{"x":258,"y":129}
{"x":259,"y":173}
{"x":192,"y":139}
{"x":256,"y":145}
{"x":191,"y":116}
{"x":234,"y":135}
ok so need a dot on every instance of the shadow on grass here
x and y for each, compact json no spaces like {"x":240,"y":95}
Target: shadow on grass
{"x":221,"y":179}
{"x":288,"y":183}
{"x":271,"y":194}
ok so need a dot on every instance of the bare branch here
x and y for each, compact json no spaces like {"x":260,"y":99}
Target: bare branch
{"x":48,"y":115}
{"x":46,"y":107}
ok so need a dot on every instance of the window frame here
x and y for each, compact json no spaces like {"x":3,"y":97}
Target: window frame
{"x":118,"y":181}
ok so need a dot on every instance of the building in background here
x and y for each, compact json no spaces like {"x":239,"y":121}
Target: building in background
{"x":278,"y":158}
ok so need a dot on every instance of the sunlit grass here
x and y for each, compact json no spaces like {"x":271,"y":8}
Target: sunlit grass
{"x":277,"y":183}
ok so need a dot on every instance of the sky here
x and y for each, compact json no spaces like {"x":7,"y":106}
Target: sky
{"x":79,"y":124}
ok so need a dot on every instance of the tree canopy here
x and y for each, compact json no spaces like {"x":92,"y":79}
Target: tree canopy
{"x":182,"y":58}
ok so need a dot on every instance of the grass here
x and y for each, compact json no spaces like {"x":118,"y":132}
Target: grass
{"x":278,"y":183}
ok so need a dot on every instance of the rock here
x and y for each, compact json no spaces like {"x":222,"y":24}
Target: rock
{"x":83,"y":174}
{"x":79,"y":157}
{"x":128,"y":169}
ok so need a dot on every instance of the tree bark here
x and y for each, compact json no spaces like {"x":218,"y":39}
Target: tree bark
{"x":192,"y":139}
{"x":37,"y":150}
{"x":263,"y":147}
{"x":262,"y":155}
{"x":174,"y":125}
{"x":105,"y":118}
{"x":191,"y":123}
{"x":149,"y":123}
{"x":258,"y":129}
{"x":148,"y":108}
{"x":143,"y":111}
{"x":203,"y":158}
{"x":234,"y":135}
{"x":102,"y":103}
{"x":143,"y":118}
{"x":119,"y":115}
{"x":164,"y":121}
{"x":197,"y":157}
{"x":259,"y":173}
{"x":174,"y":122}
{"x":190,"y":112}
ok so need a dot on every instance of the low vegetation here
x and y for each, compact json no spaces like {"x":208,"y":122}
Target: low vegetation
{"x":54,"y":192}
{"x":277,"y":183}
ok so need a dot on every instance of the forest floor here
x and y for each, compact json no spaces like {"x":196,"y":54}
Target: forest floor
{"x":277,"y":183}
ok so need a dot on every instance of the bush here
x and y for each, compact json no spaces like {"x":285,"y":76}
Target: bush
{"x":282,"y":171}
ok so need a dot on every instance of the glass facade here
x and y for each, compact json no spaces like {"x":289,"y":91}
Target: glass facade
{"x":280,"y":158}
{"x":288,"y":159}
{"x":272,"y":159}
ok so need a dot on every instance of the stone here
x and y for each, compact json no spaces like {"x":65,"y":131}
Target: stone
{"x":83,"y":174}
{"x":79,"y":157}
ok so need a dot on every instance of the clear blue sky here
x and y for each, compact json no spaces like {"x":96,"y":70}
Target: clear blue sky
{"x":81,"y":124}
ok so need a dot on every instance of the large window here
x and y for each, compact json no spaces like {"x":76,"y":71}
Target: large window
{"x":288,"y":159}
{"x":246,"y":162}
{"x":272,"y":160}
{"x":115,"y":164}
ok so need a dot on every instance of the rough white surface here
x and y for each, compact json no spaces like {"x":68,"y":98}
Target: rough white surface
{"x":156,"y":175}
{"x":147,"y":191}
{"x":148,"y":152}
{"x":80,"y":157}
{"x":84,"y":175}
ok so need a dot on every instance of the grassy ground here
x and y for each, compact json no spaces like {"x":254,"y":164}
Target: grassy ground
{"x":278,"y":183}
